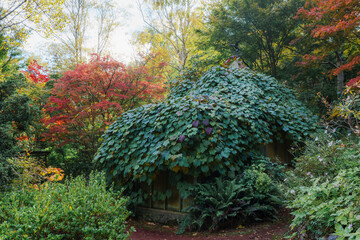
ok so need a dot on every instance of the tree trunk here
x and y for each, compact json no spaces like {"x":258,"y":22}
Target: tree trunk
{"x":340,"y":83}
{"x":340,"y":77}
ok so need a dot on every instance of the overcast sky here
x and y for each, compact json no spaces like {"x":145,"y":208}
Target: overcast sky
{"x":120,"y":47}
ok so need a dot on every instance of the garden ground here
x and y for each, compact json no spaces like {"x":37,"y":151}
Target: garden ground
{"x":259,"y":231}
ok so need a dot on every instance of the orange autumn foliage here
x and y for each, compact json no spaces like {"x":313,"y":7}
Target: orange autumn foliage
{"x":32,"y":172}
{"x":53,"y":174}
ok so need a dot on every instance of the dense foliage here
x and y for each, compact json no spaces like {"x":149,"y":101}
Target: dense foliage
{"x":259,"y":31}
{"x":253,"y":195}
{"x":213,"y":125}
{"x":329,"y":206}
{"x":16,"y":116}
{"x":268,"y":37}
{"x":77,"y":209}
{"x":210,"y":129}
{"x":322,"y":189}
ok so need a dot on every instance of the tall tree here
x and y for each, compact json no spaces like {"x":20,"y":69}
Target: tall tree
{"x":71,"y":47}
{"x":170,"y":29}
{"x":72,"y":40}
{"x":260,"y":31}
{"x":107,"y":20}
{"x":334,"y":27}
{"x":19,"y":15}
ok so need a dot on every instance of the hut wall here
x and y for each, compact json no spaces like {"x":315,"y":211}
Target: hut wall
{"x":161,"y":184}
{"x":276,"y":151}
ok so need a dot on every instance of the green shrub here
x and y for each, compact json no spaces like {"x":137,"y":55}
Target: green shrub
{"x":323,"y":157}
{"x":252,"y":196}
{"x":78,"y":209}
{"x":322,"y":189}
{"x":326,"y":155}
{"x":329,"y":207}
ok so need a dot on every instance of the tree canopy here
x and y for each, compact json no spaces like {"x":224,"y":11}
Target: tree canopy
{"x":334,"y":27}
{"x":258,"y":31}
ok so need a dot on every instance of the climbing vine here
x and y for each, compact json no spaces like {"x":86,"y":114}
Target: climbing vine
{"x":210,"y":126}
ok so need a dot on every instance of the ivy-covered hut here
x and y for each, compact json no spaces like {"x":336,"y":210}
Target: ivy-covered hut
{"x":214,"y":126}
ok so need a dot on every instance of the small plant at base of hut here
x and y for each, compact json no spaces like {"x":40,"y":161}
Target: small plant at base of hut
{"x":252,"y":196}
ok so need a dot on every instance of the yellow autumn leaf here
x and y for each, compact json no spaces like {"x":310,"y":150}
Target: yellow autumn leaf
{"x":176,"y":169}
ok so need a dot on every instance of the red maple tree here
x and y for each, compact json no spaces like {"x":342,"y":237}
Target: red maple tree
{"x":334,"y":25}
{"x":86,"y":100}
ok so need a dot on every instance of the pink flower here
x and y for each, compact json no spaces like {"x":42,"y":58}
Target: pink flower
{"x":195,"y":123}
{"x":206,"y":122}
{"x":208,"y":130}
{"x":181,"y":138}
